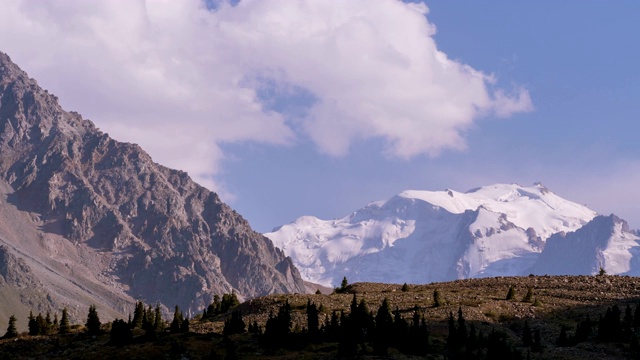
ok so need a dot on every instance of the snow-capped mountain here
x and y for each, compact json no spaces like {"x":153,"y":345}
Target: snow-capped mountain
{"x":605,"y":242}
{"x":425,"y":236}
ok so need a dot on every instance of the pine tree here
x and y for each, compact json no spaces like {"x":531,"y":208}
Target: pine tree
{"x":537,"y":341}
{"x":511,"y":294}
{"x":149,"y":321}
{"x":234,"y":324}
{"x":229,"y":301}
{"x":383,"y":329}
{"x":64,"y":322}
{"x":138,"y":315}
{"x":563,"y":340}
{"x":405,"y":287}
{"x":159,"y":322}
{"x":93,"y":321}
{"x":48,"y":324}
{"x":437,"y":298}
{"x":452,"y":338}
{"x":42,"y":324}
{"x":527,"y":338}
{"x":313,"y":321}
{"x":462,"y":328}
{"x":33,"y":325}
{"x":636,"y":316}
{"x":184,"y":327}
{"x":344,"y":283}
{"x":11,"y":329}
{"x":176,"y":323}
{"x":529,"y":295}
{"x":121,"y":333}
{"x":401,"y":333}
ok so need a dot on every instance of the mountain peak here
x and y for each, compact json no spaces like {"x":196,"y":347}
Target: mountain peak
{"x":482,"y":232}
{"x":124,"y":224}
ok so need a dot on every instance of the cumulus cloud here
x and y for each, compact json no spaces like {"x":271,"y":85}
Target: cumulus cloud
{"x":180,"y":78}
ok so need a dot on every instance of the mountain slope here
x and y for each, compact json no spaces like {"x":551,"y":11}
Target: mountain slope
{"x":424,"y":236}
{"x":605,"y":242}
{"x":104,"y":211}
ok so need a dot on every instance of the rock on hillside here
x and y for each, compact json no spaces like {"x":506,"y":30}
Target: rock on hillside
{"x":102,"y":215}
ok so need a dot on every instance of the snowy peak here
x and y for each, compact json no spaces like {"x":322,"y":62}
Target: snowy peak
{"x":422,"y":236}
{"x":527,"y":207}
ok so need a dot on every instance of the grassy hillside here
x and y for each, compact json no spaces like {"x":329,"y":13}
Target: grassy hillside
{"x":554,"y":302}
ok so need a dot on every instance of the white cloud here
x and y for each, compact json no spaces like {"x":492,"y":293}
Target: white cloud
{"x":180,"y":79}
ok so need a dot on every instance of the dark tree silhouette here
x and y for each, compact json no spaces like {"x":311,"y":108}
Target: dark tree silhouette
{"x":313,"y":321}
{"x":11,"y":329}
{"x":383,"y":329}
{"x":65,"y":327}
{"x":121,"y":333}
{"x":234,"y":324}
{"x":93,"y":321}
{"x":176,"y":323}
{"x":437,"y":298}
{"x":527,"y":337}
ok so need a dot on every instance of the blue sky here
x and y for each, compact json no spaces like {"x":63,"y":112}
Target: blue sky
{"x":284,"y":120}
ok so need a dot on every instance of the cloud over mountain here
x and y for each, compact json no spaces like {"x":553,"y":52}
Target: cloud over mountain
{"x":180,"y":78}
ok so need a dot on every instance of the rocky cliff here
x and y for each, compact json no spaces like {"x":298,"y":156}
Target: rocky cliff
{"x":82,"y":203}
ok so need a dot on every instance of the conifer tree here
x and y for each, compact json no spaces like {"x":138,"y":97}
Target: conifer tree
{"x":229,"y":301}
{"x":462,"y":328}
{"x":313,"y":321}
{"x":121,"y":333}
{"x":472,"y":339}
{"x":149,"y":321}
{"x":176,"y":323}
{"x":159,"y":322}
{"x":401,"y":332}
{"x":42,"y":324}
{"x":184,"y":327}
{"x":452,"y":338}
{"x":627,"y":323}
{"x":234,"y":324}
{"x":48,"y":324}
{"x":138,"y":315}
{"x":511,"y":294}
{"x":528,"y":297}
{"x":563,"y":340}
{"x":64,"y":322}
{"x":383,"y":329}
{"x":405,"y":287}
{"x":437,"y":298}
{"x":93,"y":321}
{"x":344,"y":284}
{"x":11,"y":328}
{"x":636,"y":316}
{"x":537,"y":342}
{"x":33,"y":325}
{"x":527,"y":338}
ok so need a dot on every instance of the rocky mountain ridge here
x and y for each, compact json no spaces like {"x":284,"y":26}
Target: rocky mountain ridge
{"x":104,"y":216}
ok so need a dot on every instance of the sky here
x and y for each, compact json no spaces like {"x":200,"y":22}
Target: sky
{"x":288,"y":108}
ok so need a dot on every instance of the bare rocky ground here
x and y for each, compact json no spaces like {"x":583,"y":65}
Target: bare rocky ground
{"x":557,"y":301}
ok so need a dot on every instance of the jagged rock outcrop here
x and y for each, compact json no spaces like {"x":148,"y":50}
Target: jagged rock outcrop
{"x":145,"y":229}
